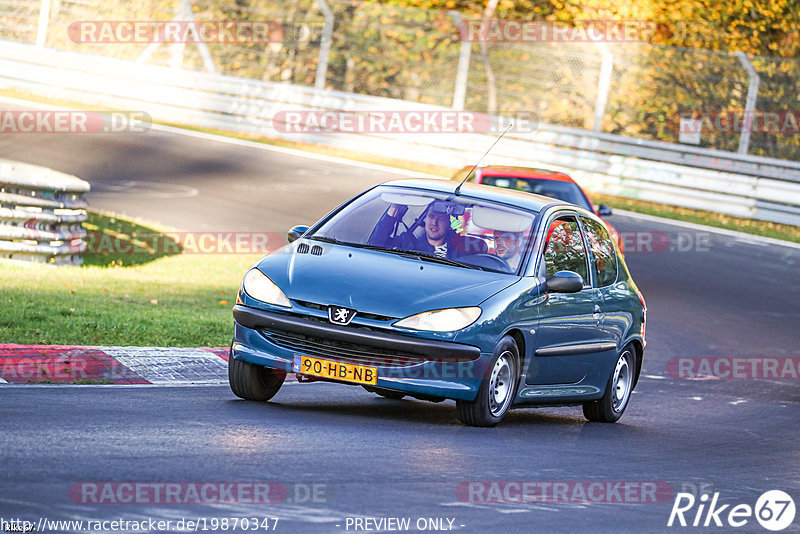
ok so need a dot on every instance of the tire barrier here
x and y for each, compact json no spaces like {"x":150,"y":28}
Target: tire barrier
{"x":41,"y":214}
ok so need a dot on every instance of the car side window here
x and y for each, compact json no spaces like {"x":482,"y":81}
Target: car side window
{"x":564,"y":250}
{"x":605,"y":258}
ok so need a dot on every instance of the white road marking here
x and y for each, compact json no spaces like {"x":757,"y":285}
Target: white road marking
{"x":142,"y":189}
{"x":282,"y":186}
{"x":518,"y":507}
{"x":750,"y":241}
{"x":750,"y":238}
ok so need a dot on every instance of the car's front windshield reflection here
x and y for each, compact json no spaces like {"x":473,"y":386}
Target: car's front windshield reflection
{"x":459,"y":231}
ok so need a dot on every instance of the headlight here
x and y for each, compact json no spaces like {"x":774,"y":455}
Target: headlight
{"x":260,"y":287}
{"x":441,"y":320}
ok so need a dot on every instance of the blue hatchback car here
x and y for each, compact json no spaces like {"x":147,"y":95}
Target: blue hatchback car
{"x":490,"y":297}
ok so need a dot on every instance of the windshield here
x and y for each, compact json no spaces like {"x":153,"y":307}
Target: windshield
{"x":434,"y":227}
{"x":566,"y":191}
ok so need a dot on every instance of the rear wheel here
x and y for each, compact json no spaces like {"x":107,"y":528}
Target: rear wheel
{"x":386,"y":393}
{"x":618,"y":391}
{"x":253,"y":382}
{"x":497,"y":390}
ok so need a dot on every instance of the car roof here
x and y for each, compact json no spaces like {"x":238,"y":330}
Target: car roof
{"x":512,"y":197}
{"x":523,"y":172}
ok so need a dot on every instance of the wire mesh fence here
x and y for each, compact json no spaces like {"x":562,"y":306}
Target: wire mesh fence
{"x":555,"y":83}
{"x":653,"y":86}
{"x":19,"y":20}
{"x":413,"y":54}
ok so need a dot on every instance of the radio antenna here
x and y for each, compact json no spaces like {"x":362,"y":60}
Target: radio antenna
{"x":458,"y":189}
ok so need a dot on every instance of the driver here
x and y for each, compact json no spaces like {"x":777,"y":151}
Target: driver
{"x":439,"y":238}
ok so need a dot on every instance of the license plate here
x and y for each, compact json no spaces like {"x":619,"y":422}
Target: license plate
{"x":360,"y":374}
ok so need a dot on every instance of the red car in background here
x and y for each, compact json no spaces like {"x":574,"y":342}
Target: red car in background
{"x":541,"y":182}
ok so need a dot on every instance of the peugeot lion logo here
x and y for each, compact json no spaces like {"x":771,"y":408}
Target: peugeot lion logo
{"x":339,"y":315}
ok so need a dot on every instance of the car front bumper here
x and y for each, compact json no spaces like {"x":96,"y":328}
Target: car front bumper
{"x":414,"y":365}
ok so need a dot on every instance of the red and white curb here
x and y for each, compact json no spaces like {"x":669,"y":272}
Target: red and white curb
{"x":68,"y":364}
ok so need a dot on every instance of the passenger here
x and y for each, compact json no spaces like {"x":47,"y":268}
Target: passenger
{"x":508,"y":245}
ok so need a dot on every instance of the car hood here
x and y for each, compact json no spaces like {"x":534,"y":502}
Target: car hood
{"x":377,"y":282}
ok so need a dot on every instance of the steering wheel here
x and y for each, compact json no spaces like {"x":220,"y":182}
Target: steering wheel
{"x":495,"y":262}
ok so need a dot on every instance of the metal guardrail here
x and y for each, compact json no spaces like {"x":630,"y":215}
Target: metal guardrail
{"x":41,"y":214}
{"x":726,"y":182}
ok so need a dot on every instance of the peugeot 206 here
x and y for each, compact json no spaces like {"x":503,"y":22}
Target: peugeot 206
{"x":490,"y":297}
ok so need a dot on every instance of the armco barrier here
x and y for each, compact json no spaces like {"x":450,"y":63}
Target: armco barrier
{"x":41,"y":212}
{"x":741,"y":185}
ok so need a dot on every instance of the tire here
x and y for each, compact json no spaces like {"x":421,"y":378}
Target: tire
{"x":612,"y":405}
{"x":385,"y":393}
{"x":253,"y":382}
{"x":497,"y":390}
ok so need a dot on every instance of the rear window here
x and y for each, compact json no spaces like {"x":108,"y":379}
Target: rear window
{"x":566,"y":191}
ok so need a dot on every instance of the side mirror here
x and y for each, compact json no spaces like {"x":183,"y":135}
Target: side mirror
{"x":564,"y":282}
{"x":603,"y":210}
{"x":295,"y":232}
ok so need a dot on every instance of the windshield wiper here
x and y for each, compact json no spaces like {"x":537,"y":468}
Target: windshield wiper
{"x":326,"y":239}
{"x":445,"y":261}
{"x":416,"y":254}
{"x":424,"y":256}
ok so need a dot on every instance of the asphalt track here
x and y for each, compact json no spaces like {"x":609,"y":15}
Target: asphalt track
{"x":707,"y":294}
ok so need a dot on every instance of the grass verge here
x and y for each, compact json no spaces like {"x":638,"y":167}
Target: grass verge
{"x":149,"y":298}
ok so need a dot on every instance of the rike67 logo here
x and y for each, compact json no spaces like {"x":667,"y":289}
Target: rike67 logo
{"x":774,"y":510}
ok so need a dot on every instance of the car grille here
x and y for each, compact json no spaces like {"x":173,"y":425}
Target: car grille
{"x":359,"y":314}
{"x":341,"y":351}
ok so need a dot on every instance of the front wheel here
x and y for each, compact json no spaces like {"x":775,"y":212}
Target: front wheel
{"x":618,"y":391}
{"x":496,"y":391}
{"x":253,"y":382}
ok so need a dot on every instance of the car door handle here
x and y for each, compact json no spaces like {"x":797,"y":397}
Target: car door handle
{"x":597,"y":309}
